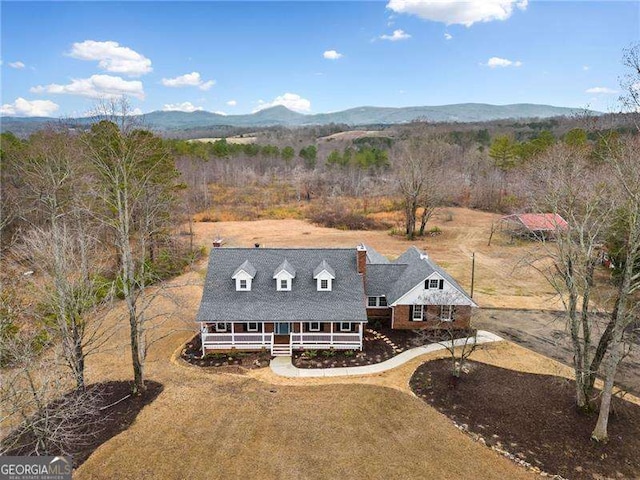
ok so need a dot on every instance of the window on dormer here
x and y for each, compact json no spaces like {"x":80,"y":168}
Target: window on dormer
{"x":243,"y":284}
{"x":284,"y":284}
{"x":324,"y":284}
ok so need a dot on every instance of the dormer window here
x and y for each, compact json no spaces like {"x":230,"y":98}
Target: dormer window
{"x":243,"y":276}
{"x":324,"y":276}
{"x":434,"y":284}
{"x":284,"y":275}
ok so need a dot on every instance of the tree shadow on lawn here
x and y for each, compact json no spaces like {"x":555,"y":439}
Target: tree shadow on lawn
{"x":113,"y":411}
{"x":534,"y":417}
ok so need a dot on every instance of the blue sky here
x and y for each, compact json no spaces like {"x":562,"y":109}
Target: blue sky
{"x":314,"y":57}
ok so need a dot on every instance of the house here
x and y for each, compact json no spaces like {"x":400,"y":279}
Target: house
{"x":539,"y":226}
{"x":286,"y":299}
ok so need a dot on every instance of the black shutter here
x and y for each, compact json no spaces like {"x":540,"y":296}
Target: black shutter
{"x":426,"y":284}
{"x":441,"y":284}
{"x":411,"y":313}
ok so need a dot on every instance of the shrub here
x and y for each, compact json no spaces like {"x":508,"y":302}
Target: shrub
{"x":311,"y":353}
{"x":329,"y":353}
{"x":343,"y":218}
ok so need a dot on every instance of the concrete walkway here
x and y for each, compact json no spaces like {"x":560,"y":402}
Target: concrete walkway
{"x":282,"y":365}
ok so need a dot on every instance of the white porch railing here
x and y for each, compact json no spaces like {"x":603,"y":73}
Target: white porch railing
{"x":236,"y":340}
{"x":345,"y":341}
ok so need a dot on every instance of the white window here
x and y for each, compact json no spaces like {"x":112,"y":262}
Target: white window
{"x":373,"y":301}
{"x":221,"y":327}
{"x":345,"y":327}
{"x":446,"y":313}
{"x":243,"y":284}
{"x":382,"y":301}
{"x":252,"y":327}
{"x":324,"y":284}
{"x":314,"y":326}
{"x":284,"y":284}
{"x":418,"y":311}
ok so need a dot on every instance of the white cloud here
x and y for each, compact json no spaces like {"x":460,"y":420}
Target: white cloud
{"x":232,"y":103}
{"x":585,"y":67}
{"x":220,"y":112}
{"x":292,"y":101}
{"x":396,"y":36}
{"x":448,"y":36}
{"x":135,"y":111}
{"x":181,"y":107}
{"x":332,"y":55}
{"x":112,"y":57}
{"x":18,"y":65}
{"x":452,"y":12}
{"x":599,"y":90}
{"x":29,"y":108}
{"x":495,"y":62}
{"x":188,"y":80}
{"x":96,"y":86}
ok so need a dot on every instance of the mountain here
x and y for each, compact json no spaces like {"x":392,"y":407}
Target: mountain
{"x":280,"y":115}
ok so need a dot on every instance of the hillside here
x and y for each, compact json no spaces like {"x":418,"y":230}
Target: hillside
{"x":280,"y":115}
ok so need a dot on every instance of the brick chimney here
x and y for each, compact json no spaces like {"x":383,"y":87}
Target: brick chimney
{"x":362,"y":259}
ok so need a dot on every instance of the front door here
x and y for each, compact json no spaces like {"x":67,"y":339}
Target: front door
{"x":282,"y":328}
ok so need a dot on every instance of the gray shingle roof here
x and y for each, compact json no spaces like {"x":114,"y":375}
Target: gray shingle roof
{"x":374,"y":257}
{"x":418,"y":267}
{"x":221,"y":301}
{"x":324,"y":266}
{"x":381,"y":277}
{"x":247,"y":267}
{"x":287,"y":267}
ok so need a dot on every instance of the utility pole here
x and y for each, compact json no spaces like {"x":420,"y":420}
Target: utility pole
{"x":473,"y":271}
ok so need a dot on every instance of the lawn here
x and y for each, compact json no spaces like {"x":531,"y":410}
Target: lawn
{"x":258,"y":425}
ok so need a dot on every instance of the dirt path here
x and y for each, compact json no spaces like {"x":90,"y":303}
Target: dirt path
{"x":544,"y":332}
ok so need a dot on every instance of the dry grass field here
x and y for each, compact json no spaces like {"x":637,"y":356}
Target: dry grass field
{"x":499,"y":282}
{"x":238,"y":140}
{"x":257,"y":425}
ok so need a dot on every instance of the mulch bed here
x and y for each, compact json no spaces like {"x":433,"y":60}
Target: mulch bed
{"x":534,"y":418}
{"x":375,"y":350}
{"x":230,"y":362}
{"x":112,"y":418}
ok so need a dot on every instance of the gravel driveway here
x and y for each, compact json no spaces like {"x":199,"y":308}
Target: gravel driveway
{"x":544,"y":332}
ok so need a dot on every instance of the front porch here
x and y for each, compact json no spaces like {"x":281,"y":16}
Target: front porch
{"x":281,"y":338}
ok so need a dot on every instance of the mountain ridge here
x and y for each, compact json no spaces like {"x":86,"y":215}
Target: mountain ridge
{"x":280,"y":115}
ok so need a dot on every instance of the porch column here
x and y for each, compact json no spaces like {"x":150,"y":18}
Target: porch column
{"x":300,"y":337}
{"x":360,"y":332}
{"x":233,"y":333}
{"x":203,"y":330}
{"x":331,"y":339}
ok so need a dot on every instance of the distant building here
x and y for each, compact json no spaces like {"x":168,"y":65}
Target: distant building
{"x":539,"y":226}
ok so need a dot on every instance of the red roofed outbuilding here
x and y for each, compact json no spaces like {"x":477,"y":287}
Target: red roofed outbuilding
{"x":539,"y":225}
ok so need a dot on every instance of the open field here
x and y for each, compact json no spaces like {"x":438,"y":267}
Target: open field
{"x":353,"y":135}
{"x":238,"y":140}
{"x":499,"y":281}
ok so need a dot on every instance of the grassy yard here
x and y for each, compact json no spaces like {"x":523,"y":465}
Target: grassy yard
{"x":258,"y":425}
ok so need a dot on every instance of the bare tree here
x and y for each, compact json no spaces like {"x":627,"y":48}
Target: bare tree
{"x":135,"y":183}
{"x":60,"y":244}
{"x":419,"y":166}
{"x":440,"y":315}
{"x":43,"y":415}
{"x":625,"y":165}
{"x":565,"y":182}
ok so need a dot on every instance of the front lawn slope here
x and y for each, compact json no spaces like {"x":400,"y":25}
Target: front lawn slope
{"x":233,"y":427}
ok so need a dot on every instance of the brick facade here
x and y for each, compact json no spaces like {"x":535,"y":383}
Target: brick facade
{"x":401,"y":318}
